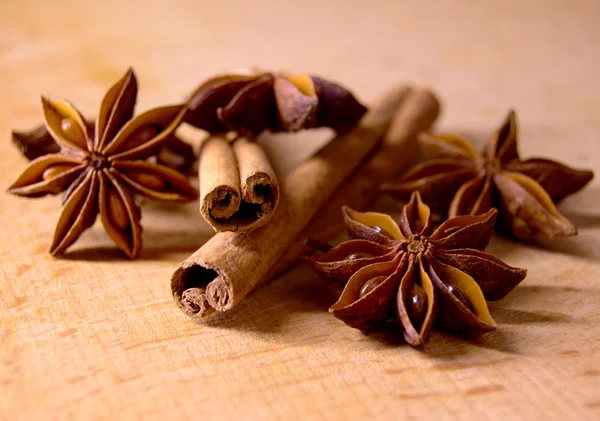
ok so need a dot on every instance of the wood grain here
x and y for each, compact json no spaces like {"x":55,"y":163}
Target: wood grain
{"x":92,"y":336}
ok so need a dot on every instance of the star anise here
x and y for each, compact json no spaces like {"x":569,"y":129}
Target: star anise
{"x":252,"y":102}
{"x":420,"y":275}
{"x":459,"y":181}
{"x":175,"y":153}
{"x":102,"y":169}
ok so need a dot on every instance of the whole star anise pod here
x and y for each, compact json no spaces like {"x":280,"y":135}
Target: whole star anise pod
{"x":459,"y":181}
{"x":254,"y":101}
{"x":102,"y":169}
{"x":420,"y":275}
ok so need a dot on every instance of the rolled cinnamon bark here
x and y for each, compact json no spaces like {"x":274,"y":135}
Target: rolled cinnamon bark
{"x":417,"y":113}
{"x":238,"y":188}
{"x":222,"y":272}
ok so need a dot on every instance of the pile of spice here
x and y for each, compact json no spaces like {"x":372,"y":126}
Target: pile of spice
{"x":406,"y":270}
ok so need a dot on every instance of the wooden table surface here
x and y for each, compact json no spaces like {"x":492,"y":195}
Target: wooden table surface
{"x":92,"y":336}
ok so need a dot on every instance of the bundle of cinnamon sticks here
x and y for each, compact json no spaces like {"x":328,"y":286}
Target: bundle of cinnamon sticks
{"x":346,"y":171}
{"x":238,"y":188}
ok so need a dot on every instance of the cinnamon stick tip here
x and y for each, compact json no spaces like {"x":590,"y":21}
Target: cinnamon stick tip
{"x":221,"y":203}
{"x":262,"y":188}
{"x":188,"y":286}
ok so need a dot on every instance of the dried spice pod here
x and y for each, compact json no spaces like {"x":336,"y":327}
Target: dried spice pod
{"x":459,"y":181}
{"x":254,"y":101}
{"x":35,"y":143}
{"x":419,"y":275}
{"x":229,"y":265}
{"x":101,"y":168}
{"x":176,"y":153}
{"x":238,"y":188}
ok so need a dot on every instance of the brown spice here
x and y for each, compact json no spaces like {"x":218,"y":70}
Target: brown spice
{"x":101,"y":170}
{"x":428,"y":275}
{"x":251,"y":102}
{"x":225,"y":269}
{"x":175,"y":153}
{"x":35,"y":143}
{"x":238,"y":188}
{"x":459,"y":181}
{"x":418,"y":112}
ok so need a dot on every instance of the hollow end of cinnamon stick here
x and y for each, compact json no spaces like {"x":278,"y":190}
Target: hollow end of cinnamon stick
{"x":188,"y":285}
{"x":238,"y":186}
{"x":200,"y":288}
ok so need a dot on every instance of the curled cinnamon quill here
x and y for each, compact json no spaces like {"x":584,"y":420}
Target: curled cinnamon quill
{"x":238,"y":188}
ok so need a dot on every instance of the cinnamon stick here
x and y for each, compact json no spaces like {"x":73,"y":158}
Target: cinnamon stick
{"x":238,"y":187}
{"x":225,"y":269}
{"x":418,"y":113}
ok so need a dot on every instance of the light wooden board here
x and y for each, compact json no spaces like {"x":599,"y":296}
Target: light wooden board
{"x":94,"y":337}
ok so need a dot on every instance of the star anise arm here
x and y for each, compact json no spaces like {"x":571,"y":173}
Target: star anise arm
{"x":557,"y":179}
{"x":466,"y":231}
{"x":369,"y":296}
{"x":446,"y":146}
{"x":48,"y":174}
{"x":373,"y":226}
{"x":342,"y":261}
{"x":473,"y":198}
{"x":337,"y":107}
{"x":78,"y":214}
{"x":120,"y":215}
{"x":66,"y":125}
{"x":461,"y":304}
{"x":253,"y":109}
{"x":527,"y":210}
{"x":154,"y":181}
{"x":35,"y":143}
{"x":146,"y":134}
{"x":494,"y":277}
{"x":436,"y":181}
{"x":503,"y":142}
{"x":179,"y":155}
{"x":212,"y":95}
{"x":415,"y":218}
{"x":116,"y":110}
{"x":416,"y":303}
{"x":296,"y":102}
